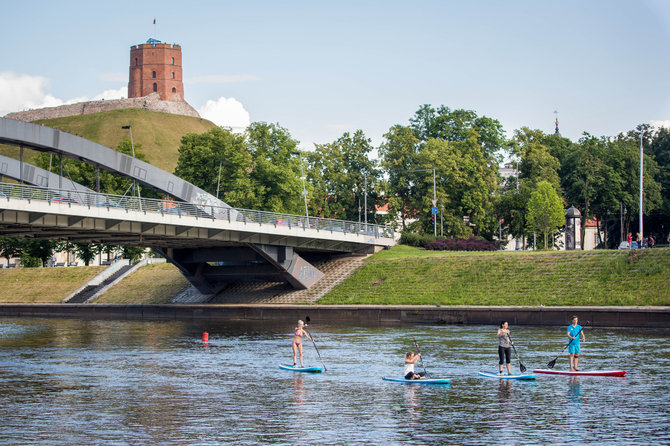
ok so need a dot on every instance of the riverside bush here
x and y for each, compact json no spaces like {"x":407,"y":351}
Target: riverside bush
{"x":416,"y":240}
{"x":461,"y":244}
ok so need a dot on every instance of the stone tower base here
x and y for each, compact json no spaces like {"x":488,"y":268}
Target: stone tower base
{"x":150,"y":102}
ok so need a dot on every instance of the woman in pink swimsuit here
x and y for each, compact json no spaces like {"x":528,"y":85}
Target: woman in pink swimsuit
{"x":297,"y":341}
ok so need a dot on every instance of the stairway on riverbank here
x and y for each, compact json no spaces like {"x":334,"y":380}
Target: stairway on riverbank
{"x":334,"y":270}
{"x":89,"y":291}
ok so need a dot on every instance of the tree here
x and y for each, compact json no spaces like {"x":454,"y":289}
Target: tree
{"x":462,"y":148}
{"x":545,"y":210}
{"x":10,"y":247}
{"x":132,"y":253}
{"x":200,"y":156}
{"x":399,"y":155}
{"x":454,"y":125}
{"x":86,"y":251}
{"x":535,"y":163}
{"x":275,"y":170}
{"x":659,"y":219}
{"x":39,"y":249}
{"x":340,"y":170}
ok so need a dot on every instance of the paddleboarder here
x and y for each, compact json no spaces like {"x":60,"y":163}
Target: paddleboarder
{"x":299,"y":332}
{"x":410,"y":360}
{"x":504,"y":347}
{"x":574,"y":332}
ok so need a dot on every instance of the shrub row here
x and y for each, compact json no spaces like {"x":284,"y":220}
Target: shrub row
{"x":416,"y":240}
{"x":461,"y":244}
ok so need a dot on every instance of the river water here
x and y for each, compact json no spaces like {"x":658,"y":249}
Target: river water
{"x":119,"y":382}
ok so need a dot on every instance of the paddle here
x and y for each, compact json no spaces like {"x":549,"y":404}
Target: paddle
{"x":314,"y":343}
{"x":552,"y":363}
{"x":521,"y":366}
{"x":420,"y":357}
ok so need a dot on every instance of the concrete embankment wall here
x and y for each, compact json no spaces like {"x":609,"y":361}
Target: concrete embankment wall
{"x":647,"y":317}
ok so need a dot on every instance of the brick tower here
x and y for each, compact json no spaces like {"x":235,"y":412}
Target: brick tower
{"x":156,"y":67}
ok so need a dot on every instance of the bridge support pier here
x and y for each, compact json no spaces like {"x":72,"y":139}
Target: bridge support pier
{"x":210,"y":270}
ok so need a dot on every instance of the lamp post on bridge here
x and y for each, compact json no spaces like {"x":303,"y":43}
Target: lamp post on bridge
{"x":304,"y":190}
{"x":434,"y":208}
{"x":132,"y":148}
{"x":218,"y":182}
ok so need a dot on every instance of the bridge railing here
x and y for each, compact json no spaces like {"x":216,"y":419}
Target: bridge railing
{"x":168,"y":207}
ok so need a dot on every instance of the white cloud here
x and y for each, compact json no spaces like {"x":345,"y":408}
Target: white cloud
{"x":19,"y":92}
{"x":659,"y":124}
{"x":23,"y":92}
{"x":119,"y":93}
{"x":221,"y":78}
{"x":226,"y":112}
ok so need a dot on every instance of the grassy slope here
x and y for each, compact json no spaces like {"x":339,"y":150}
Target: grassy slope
{"x":151,"y":284}
{"x":158,"y":133}
{"x":406,"y":275}
{"x":43,"y":285}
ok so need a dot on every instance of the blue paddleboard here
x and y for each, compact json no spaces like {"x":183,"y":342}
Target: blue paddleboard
{"x":301,"y":369}
{"x":522,"y":376}
{"x":417,"y":381}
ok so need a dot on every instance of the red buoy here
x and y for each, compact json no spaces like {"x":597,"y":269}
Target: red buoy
{"x":205,"y":337}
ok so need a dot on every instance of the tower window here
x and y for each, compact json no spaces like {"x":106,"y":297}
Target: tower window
{"x":153,"y":74}
{"x":173,"y":75}
{"x":173,"y":61}
{"x":136,"y":63}
{"x":155,"y":87}
{"x":174,"y":90}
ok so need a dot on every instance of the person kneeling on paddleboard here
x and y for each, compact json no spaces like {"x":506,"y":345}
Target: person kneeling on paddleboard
{"x":574,"y":331}
{"x":410,"y":360}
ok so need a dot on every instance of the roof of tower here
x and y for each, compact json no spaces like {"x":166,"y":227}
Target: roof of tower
{"x":152,"y":41}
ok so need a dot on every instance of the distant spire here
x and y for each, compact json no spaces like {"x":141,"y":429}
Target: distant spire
{"x":556,"y":132}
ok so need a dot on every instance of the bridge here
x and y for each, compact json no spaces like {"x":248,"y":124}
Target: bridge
{"x":212,"y":243}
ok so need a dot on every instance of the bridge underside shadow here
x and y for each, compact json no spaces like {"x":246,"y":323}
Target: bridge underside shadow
{"x":211,"y":270}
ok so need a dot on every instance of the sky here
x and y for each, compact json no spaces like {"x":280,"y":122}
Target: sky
{"x":322,"y":68}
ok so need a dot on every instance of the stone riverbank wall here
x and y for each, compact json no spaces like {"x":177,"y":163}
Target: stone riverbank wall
{"x":150,"y":102}
{"x":646,"y":317}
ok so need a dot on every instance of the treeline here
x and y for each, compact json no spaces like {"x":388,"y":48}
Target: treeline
{"x":260,"y":169}
{"x":452,"y":156}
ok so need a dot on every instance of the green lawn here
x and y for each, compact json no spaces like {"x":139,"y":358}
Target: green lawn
{"x":411,"y":276}
{"x":152,"y":284}
{"x":43,"y":285}
{"x":158,"y":133}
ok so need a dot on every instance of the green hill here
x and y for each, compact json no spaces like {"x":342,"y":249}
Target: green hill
{"x":158,"y":133}
{"x":406,"y":275}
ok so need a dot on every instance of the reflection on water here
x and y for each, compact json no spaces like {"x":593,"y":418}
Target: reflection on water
{"x":93,"y":382}
{"x":575,"y":409}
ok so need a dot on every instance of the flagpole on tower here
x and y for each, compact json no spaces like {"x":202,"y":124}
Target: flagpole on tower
{"x":155,"y":28}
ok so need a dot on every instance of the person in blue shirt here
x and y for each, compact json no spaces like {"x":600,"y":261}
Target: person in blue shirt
{"x":574,"y":332}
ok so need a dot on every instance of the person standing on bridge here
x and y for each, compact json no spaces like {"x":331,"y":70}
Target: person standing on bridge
{"x":299,"y":332}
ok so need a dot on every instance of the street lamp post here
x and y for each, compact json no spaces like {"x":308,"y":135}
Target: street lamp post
{"x":434,"y":198}
{"x":218,"y":181}
{"x":365,"y":201}
{"x":641,"y":188}
{"x":132,"y":148}
{"x":304,"y":190}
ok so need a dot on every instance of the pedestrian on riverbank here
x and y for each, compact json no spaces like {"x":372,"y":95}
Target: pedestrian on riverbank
{"x":504,"y":347}
{"x":298,"y":333}
{"x":410,"y":360}
{"x":574,"y":332}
